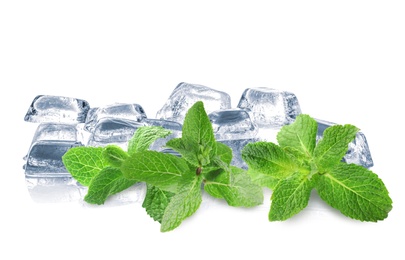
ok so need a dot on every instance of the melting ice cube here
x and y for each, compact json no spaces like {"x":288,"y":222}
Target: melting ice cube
{"x":270,"y":107}
{"x":57,"y":109}
{"x":132,"y":112}
{"x":185,"y":95}
{"x":358,"y":151}
{"x":232,"y":124}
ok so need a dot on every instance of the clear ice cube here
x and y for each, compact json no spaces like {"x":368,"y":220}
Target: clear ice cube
{"x":132,"y":112}
{"x":113,"y":131}
{"x":57,"y":109}
{"x":44,"y":158}
{"x":270,"y":107}
{"x":232,"y":124}
{"x":185,"y":95}
{"x":358,"y":150}
{"x":237,"y":145}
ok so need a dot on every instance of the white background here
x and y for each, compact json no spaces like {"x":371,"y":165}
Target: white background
{"x":344,"y":60}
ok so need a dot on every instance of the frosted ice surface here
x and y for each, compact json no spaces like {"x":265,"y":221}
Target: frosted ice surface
{"x":113,"y":131}
{"x":358,"y":150}
{"x":57,"y":109}
{"x":45,"y":158}
{"x":118,"y":111}
{"x":237,"y":145}
{"x":185,"y":95}
{"x":270,"y":107}
{"x":232,"y":124}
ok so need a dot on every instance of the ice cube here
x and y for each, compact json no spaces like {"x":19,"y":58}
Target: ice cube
{"x":185,"y":95}
{"x":118,"y":111}
{"x":270,"y":107}
{"x":237,"y":145}
{"x":174,"y":127}
{"x":57,"y":109}
{"x":45,"y":158}
{"x":113,"y":131}
{"x":232,"y":124}
{"x":55,"y":131}
{"x":358,"y":150}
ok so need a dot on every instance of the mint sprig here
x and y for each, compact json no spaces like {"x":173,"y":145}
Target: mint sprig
{"x":156,"y":201}
{"x":176,"y":183}
{"x":298,"y":164}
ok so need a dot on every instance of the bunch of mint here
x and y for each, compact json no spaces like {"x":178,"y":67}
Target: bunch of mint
{"x":174,"y":183}
{"x":298,"y":164}
{"x":292,"y":169}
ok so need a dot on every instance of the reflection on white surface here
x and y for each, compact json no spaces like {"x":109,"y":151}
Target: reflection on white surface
{"x":67,"y":189}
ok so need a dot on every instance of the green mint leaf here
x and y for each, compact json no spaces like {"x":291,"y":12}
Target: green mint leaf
{"x":108,"y":182}
{"x":197,"y":127}
{"x":216,"y":162}
{"x":221,"y":161}
{"x":334,"y":145}
{"x":114,"y":155}
{"x":224,"y":153}
{"x":144,"y":137}
{"x":263,"y":180}
{"x":197,"y":130}
{"x":355,"y":191}
{"x":237,"y":188}
{"x":187,"y":150}
{"x":268,"y":159}
{"x":299,"y":137}
{"x":290,"y":196}
{"x":159,"y":169}
{"x":83,"y":163}
{"x":156,"y":201}
{"x":182,"y":205}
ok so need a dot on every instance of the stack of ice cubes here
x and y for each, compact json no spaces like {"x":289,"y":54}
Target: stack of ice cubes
{"x":65,"y":122}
